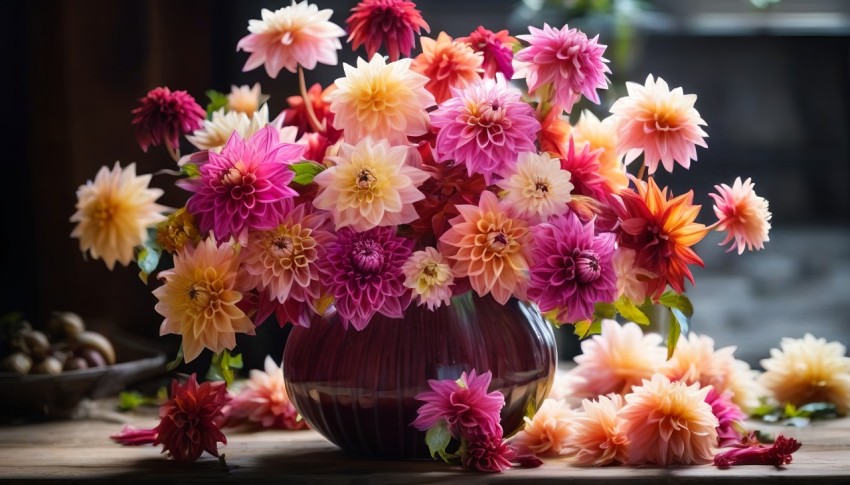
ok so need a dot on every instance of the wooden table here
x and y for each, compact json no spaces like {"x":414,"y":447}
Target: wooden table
{"x":81,"y":451}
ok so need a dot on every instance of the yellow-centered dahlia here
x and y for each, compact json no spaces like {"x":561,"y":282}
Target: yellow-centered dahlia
{"x":381,"y":100}
{"x":199,"y":297}
{"x":430,"y":277}
{"x":114,"y":213}
{"x":537,"y":188}
{"x":177,"y":231}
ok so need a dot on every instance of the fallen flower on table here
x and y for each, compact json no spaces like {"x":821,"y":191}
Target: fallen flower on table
{"x":750,"y":452}
{"x":547,"y":433}
{"x":133,"y":436}
{"x":263,"y":402}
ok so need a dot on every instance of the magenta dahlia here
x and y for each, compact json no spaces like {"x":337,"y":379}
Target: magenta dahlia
{"x":728,"y":414}
{"x":496,"y":47}
{"x":488,"y":454}
{"x":485,"y":126}
{"x":573,"y":268}
{"x":392,"y":23}
{"x":363,"y":272}
{"x":466,"y":406}
{"x":164,"y":115}
{"x":566,"y":58}
{"x":245,"y":187}
{"x":583,"y":165}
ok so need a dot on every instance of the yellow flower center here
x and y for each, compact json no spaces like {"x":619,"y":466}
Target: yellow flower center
{"x":290,"y":247}
{"x":367,"y":186}
{"x":203,"y":297}
{"x":104,"y":211}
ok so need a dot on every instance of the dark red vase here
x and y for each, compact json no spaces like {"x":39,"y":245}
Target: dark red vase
{"x":358,"y":388}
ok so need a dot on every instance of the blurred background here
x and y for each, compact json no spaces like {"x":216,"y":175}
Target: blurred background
{"x":773,"y":79}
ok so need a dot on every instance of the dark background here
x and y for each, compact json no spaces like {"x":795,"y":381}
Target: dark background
{"x":774,"y":87}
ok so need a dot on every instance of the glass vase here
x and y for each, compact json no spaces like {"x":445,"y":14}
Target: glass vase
{"x":358,"y":388}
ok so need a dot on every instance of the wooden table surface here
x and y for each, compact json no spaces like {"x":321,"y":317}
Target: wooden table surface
{"x":81,"y":451}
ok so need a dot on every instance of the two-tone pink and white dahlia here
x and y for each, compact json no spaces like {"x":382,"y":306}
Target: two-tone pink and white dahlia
{"x":743,"y":215}
{"x":537,"y":188}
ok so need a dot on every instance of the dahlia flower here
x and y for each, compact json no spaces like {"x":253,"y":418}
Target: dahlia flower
{"x":245,"y":187}
{"x":490,"y":246}
{"x":264,"y":401}
{"x":370,"y":185}
{"x":631,"y":280}
{"x":751,"y":452}
{"x":163,"y":115}
{"x":299,"y":34}
{"x":381,"y":100}
{"x":616,"y":360}
{"x":547,"y":433}
{"x":488,"y":454}
{"x":465,"y":405}
{"x":602,"y":135}
{"x":566,"y":58}
{"x":247,"y":100}
{"x":746,"y":390}
{"x":114,"y":213}
{"x":537,"y":188}
{"x":597,"y":437}
{"x":392,"y":23}
{"x":447,"y":64}
{"x":661,"y":230}
{"x":743,"y":215}
{"x":284,"y":261}
{"x":133,"y":436}
{"x":199,"y":299}
{"x":187,"y":424}
{"x":430,"y":277}
{"x":362,"y":271}
{"x":496,"y":49}
{"x":583,"y":165}
{"x":177,"y":231}
{"x":696,"y":361}
{"x":555,"y":132}
{"x":485,"y":126}
{"x":808,"y":370}
{"x":669,"y":423}
{"x":662,"y":124}
{"x":296,"y":114}
{"x":573,"y":268}
{"x":222,"y":124}
{"x":448,"y":187}
{"x":729,"y":417}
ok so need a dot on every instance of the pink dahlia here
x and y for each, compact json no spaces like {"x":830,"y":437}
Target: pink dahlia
{"x":164,"y":115}
{"x":488,"y":454}
{"x":244,"y":187}
{"x":363,"y":273}
{"x":485,"y":126}
{"x":188,"y":420}
{"x":393,"y":23}
{"x":547,"y":433}
{"x":497,"y":49}
{"x":583,"y":166}
{"x":447,"y":64}
{"x":729,"y":417}
{"x":742,"y":214}
{"x":573,"y":268}
{"x":597,"y":438}
{"x":264,"y":401}
{"x":750,"y":452}
{"x":567,"y":59}
{"x":464,"y":404}
{"x":299,"y":34}
{"x":662,"y":124}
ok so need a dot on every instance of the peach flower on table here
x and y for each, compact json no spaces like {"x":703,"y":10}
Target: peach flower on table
{"x":597,"y":437}
{"x":264,"y":401}
{"x":548,"y":432}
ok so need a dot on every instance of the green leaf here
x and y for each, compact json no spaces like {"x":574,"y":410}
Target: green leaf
{"x":177,"y":360}
{"x":305,"y":171}
{"x":217,"y":101}
{"x":128,"y":401}
{"x":629,"y":311}
{"x":604,"y":310}
{"x":190,"y":170}
{"x":223,"y":365}
{"x":678,"y":325}
{"x":586,"y":328}
{"x":147,"y":255}
{"x":438,"y":438}
{"x":671,"y":300}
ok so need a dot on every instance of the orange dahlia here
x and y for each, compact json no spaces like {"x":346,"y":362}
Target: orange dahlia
{"x":448,"y":64}
{"x":661,"y":230}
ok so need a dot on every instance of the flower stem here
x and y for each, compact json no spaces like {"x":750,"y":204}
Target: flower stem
{"x":308,"y":105}
{"x":641,"y":170}
{"x":173,"y":151}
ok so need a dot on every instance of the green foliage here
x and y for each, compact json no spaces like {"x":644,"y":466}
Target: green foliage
{"x":177,"y":360}
{"x":222,"y":366}
{"x":147,"y":256}
{"x":795,"y":416}
{"x":681,"y":310}
{"x":630,"y":311}
{"x":438,"y":438}
{"x":190,"y":170}
{"x":305,"y":171}
{"x":602,"y":311}
{"x":130,"y":400}
{"x":217,"y":101}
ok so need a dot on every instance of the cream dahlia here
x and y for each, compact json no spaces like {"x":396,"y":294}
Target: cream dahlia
{"x":662,"y":124}
{"x":742,"y":214}
{"x":217,"y":130}
{"x":199,"y":299}
{"x":430,"y":277}
{"x":548,"y":432}
{"x":490,"y":246}
{"x":114,"y":213}
{"x":381,"y":100}
{"x":808,"y":370}
{"x":597,"y":437}
{"x":669,"y":423}
{"x":370,"y":186}
{"x":247,"y":100}
{"x":299,"y":34}
{"x":537,"y":188}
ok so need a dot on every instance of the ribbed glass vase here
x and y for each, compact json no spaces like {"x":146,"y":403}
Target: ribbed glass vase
{"x":358,"y":388}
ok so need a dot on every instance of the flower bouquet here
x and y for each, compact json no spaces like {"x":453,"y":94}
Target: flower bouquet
{"x":413,"y":179}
